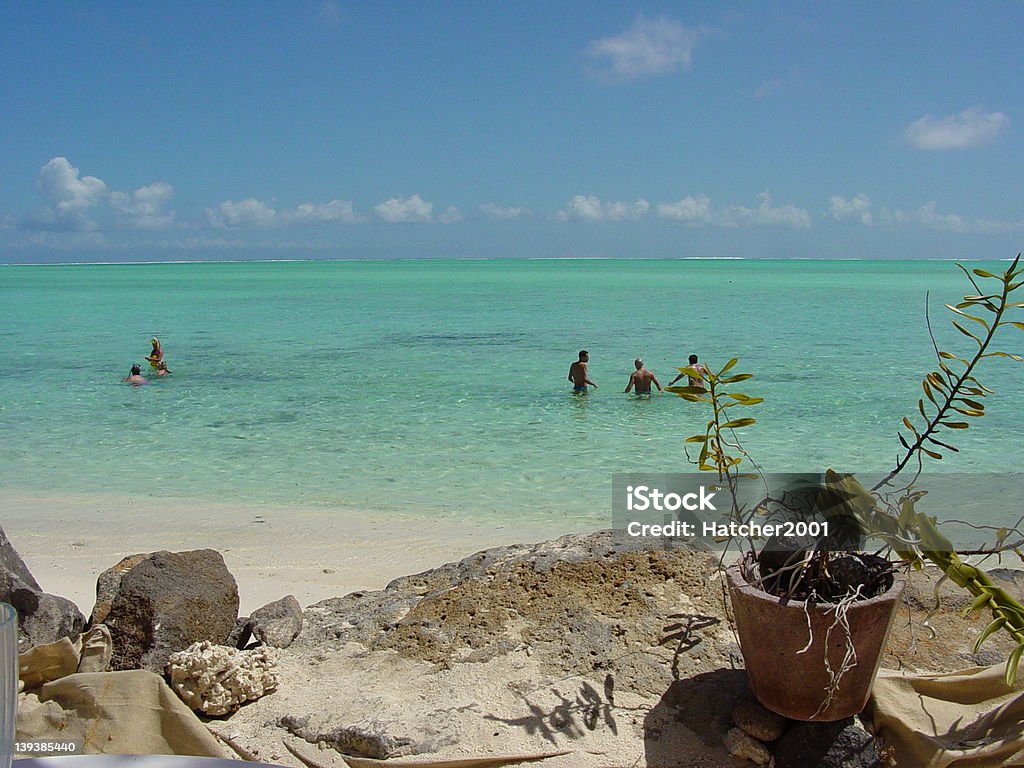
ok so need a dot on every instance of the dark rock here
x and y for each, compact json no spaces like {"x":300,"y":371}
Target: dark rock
{"x":278,"y":623}
{"x":842,"y":744}
{"x":239,"y":636}
{"x":159,"y":603}
{"x":11,"y":564}
{"x":42,"y":618}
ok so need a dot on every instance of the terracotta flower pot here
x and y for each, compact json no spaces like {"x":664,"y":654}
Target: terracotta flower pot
{"x":772,"y":635}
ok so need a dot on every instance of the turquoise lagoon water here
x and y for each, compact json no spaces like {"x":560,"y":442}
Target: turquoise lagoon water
{"x":439,"y":387}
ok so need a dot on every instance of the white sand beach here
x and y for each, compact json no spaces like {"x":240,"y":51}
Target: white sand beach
{"x":272,"y":551}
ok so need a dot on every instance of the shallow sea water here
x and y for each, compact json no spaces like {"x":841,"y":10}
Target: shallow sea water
{"x":438,"y":388}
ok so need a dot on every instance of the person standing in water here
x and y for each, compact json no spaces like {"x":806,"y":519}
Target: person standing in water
{"x":578,"y":373}
{"x":157,"y":355}
{"x":694,"y":381}
{"x":641,"y":378}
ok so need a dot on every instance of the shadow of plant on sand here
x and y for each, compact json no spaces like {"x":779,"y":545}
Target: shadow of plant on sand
{"x":572,"y":717}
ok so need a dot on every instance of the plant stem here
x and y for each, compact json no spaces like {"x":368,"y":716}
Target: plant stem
{"x":935,"y":423}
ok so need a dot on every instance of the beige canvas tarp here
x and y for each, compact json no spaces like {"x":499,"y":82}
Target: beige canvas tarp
{"x":69,"y":697}
{"x":966,"y":719}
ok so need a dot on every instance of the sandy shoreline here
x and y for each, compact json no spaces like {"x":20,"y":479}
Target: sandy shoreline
{"x":312,"y":553}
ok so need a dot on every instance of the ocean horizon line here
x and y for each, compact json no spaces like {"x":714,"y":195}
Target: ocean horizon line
{"x":152,"y":262}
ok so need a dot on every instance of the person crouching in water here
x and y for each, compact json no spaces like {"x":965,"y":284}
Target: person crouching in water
{"x":136,"y":378}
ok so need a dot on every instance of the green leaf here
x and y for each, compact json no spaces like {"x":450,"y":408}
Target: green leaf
{"x":692,"y":372}
{"x":1017,"y":324}
{"x":728,"y":365}
{"x":910,"y":426}
{"x":967,"y":411}
{"x":746,"y":421}
{"x":955,"y":424}
{"x":965,"y":332}
{"x":933,"y":454}
{"x":1011,"y":665}
{"x":972,"y":403}
{"x":737,"y":377}
{"x":977,"y":604}
{"x":695,"y":439}
{"x":982,"y":272}
{"x":942,"y":444}
{"x":969,"y":317}
{"x":928,"y":390}
{"x":994,"y":626}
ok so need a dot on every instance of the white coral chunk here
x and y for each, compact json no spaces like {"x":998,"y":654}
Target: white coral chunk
{"x":217,"y":679}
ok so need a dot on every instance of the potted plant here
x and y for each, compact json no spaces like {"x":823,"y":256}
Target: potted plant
{"x":812,"y":616}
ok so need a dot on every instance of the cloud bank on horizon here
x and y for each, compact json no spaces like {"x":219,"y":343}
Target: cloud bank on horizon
{"x":660,"y":127}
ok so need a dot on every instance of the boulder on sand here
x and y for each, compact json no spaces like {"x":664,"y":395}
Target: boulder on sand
{"x":278,"y":623}
{"x":158,"y":603}
{"x":42,"y":617}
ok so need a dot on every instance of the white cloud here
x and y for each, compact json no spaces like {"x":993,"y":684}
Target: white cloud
{"x":404,"y":210}
{"x":648,"y":47}
{"x":967,"y":129}
{"x":493,"y":211}
{"x":689,"y":210}
{"x":858,"y":208}
{"x":450,"y":215}
{"x":62,"y":241}
{"x":73,"y":201}
{"x":256,"y":213}
{"x":929,"y":216}
{"x":144,"y":208}
{"x":320,"y":213}
{"x":69,"y":195}
{"x":699,"y":210}
{"x":590,"y":208}
{"x":245,"y":213}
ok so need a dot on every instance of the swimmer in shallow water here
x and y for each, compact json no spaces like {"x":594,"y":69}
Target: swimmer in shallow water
{"x":157,"y":355}
{"x":693,"y":381}
{"x":135,"y":378}
{"x":578,"y":373}
{"x":162,"y":369}
{"x":642,"y":379}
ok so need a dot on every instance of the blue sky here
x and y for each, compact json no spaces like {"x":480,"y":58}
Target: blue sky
{"x":147,"y":131}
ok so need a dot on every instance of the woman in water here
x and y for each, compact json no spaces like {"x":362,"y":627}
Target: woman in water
{"x":157,"y":355}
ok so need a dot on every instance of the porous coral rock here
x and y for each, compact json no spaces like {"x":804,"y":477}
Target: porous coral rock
{"x":216,"y":679}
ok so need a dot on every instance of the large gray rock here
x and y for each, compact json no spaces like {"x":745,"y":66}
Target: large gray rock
{"x":278,"y":623}
{"x":42,"y":617}
{"x":12,"y":564}
{"x":158,"y":603}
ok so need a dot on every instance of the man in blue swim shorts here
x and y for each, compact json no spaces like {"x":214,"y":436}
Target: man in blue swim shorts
{"x":578,"y":373}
